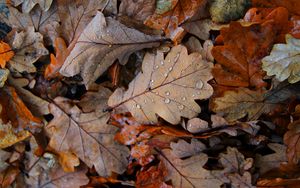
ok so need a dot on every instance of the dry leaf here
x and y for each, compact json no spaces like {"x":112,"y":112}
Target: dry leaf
{"x":268,"y":162}
{"x":138,"y":10}
{"x":6,"y":53}
{"x":199,"y":28}
{"x":4,"y":155}
{"x":15,"y":111}
{"x":8,"y":176}
{"x":291,"y":5}
{"x":291,"y":139}
{"x":169,"y":15}
{"x":103,"y":41}
{"x":27,"y":5}
{"x":68,"y":161}
{"x":87,"y":136}
{"x":183,"y":149}
{"x":167,"y":87}
{"x":194,"y":45}
{"x":3,"y":76}
{"x":188,"y":172}
{"x":28,"y":46}
{"x":284,"y":60}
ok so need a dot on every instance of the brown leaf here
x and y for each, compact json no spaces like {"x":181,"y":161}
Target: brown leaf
{"x":183,"y":149}
{"x":291,"y":139}
{"x":87,"y":135}
{"x":167,"y":87}
{"x":4,"y":155}
{"x":268,"y":162}
{"x":5,"y":54}
{"x":170,"y":14}
{"x":8,"y":176}
{"x":199,"y":28}
{"x":103,"y":41}
{"x":291,"y":5}
{"x":188,"y":172}
{"x":138,"y":10}
{"x":27,"y":5}
{"x":15,"y":111}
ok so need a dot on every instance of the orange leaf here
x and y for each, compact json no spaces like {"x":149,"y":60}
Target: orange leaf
{"x":6,"y":54}
{"x":15,"y":111}
{"x":153,"y":177}
{"x":56,"y":62}
{"x":292,"y":5}
{"x":170,"y":20}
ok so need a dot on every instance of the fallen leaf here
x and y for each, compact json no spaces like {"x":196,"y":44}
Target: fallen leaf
{"x":68,"y":161}
{"x":4,"y":155}
{"x":138,"y":10}
{"x":3,"y":76}
{"x":199,"y":28}
{"x":183,"y":149}
{"x":167,"y":87}
{"x":194,"y":45}
{"x":268,"y":162}
{"x":224,"y":11}
{"x":103,"y":41}
{"x":27,"y":5}
{"x":6,"y":53}
{"x":169,"y":15}
{"x":291,"y":5}
{"x":238,"y":60}
{"x":15,"y":111}
{"x":283,"y":62}
{"x":188,"y":172}
{"x":96,"y":145}
{"x":28,"y":46}
{"x":8,"y":176}
{"x":291,"y":139}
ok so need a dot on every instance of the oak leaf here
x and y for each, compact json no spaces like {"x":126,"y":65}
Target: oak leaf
{"x":268,"y":162}
{"x":6,"y":53}
{"x":167,"y":87}
{"x":284,"y":60}
{"x":183,"y":149}
{"x":4,"y":155}
{"x":291,"y":139}
{"x":27,"y":5}
{"x":199,"y":28}
{"x":169,"y":15}
{"x":188,"y":172}
{"x":28,"y":46}
{"x":291,"y":5}
{"x":138,"y":10}
{"x":86,"y":135}
{"x":238,"y":60}
{"x":103,"y":41}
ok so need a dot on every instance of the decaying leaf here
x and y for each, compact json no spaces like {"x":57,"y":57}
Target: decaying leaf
{"x":4,"y":155}
{"x":138,"y":10}
{"x":103,"y":41}
{"x":200,"y":28}
{"x":169,"y":15}
{"x":188,"y":172}
{"x":271,"y":161}
{"x":6,"y":53}
{"x":3,"y":76}
{"x":167,"y":87}
{"x":284,"y":61}
{"x":27,"y":5}
{"x":183,"y":149}
{"x":87,"y":136}
{"x":28,"y":46}
{"x":291,"y":139}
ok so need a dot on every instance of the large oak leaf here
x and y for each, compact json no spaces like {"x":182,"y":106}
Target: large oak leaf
{"x":167,"y":87}
{"x":103,"y":41}
{"x":87,"y":135}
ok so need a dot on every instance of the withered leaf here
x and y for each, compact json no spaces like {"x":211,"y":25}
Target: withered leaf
{"x":284,"y":60}
{"x":188,"y":172}
{"x":271,"y":161}
{"x":138,"y":10}
{"x":28,"y":46}
{"x":27,"y":5}
{"x":87,"y":136}
{"x":200,"y":28}
{"x":4,"y":155}
{"x":103,"y":41}
{"x":183,"y":149}
{"x":291,"y":139}
{"x":3,"y":76}
{"x":167,"y":87}
{"x":6,"y":53}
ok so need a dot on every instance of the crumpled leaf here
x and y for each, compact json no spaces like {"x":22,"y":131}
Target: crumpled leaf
{"x":244,"y":102}
{"x":28,"y":46}
{"x":15,"y":111}
{"x":188,"y":172}
{"x":6,"y":53}
{"x":284,"y":61}
{"x":167,"y":87}
{"x":103,"y":41}
{"x":27,"y":5}
{"x":195,"y":125}
{"x":87,"y":135}
{"x":183,"y":149}
{"x":224,"y":11}
{"x":3,"y":76}
{"x":238,"y":60}
{"x":268,"y":162}
{"x":138,"y":10}
{"x":170,"y":14}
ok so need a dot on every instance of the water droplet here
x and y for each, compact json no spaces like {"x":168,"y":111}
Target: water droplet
{"x":156,"y":67}
{"x":109,"y":45}
{"x":181,"y":107}
{"x":198,"y":92}
{"x":177,"y":57}
{"x":151,"y":81}
{"x":167,"y":100}
{"x":167,"y":93}
{"x":145,"y":101}
{"x":162,"y":62}
{"x":156,"y":93}
{"x":138,"y":106}
{"x":152,"y":100}
{"x":166,"y":74}
{"x":171,"y":68}
{"x":169,"y":61}
{"x":199,"y":84}
{"x":193,"y":95}
{"x":183,"y":98}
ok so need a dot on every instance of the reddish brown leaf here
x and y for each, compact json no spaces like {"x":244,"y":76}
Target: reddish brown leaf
{"x":292,"y":5}
{"x":292,"y":140}
{"x":5,"y":54}
{"x":8,"y":176}
{"x":152,"y":178}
